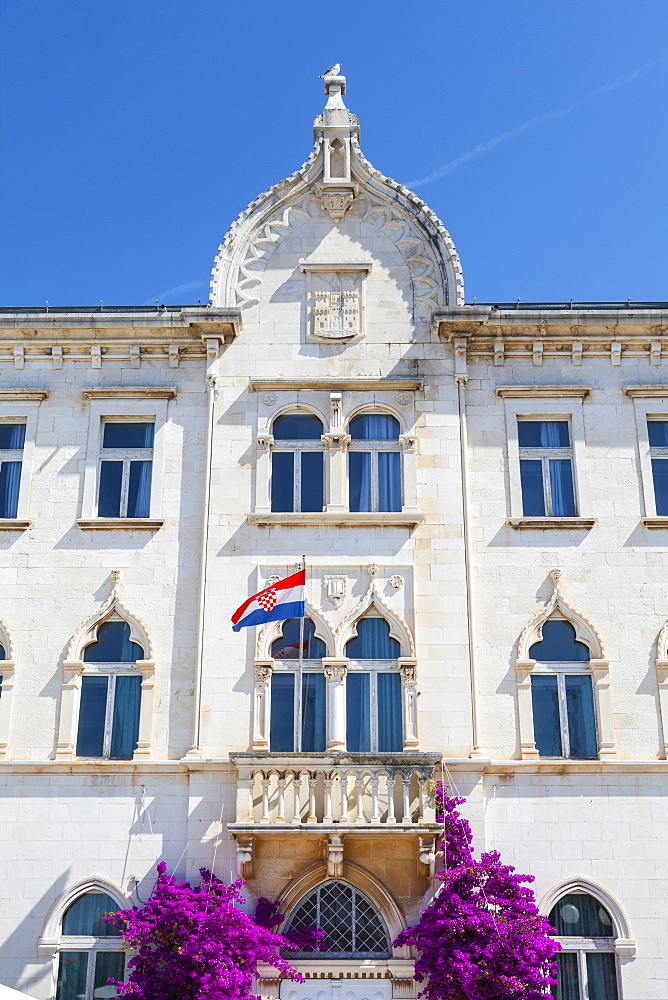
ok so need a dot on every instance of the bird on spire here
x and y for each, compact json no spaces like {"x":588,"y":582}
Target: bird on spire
{"x":334,"y":71}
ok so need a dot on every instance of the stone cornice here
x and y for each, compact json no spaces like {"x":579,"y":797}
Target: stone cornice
{"x":547,"y":391}
{"x":355,"y":384}
{"x":130,"y":392}
{"x":23,"y":395}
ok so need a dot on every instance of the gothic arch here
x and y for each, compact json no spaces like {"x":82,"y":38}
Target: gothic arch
{"x":268,"y":633}
{"x":558,"y":605}
{"x":359,"y":878}
{"x":6,"y":641}
{"x":114,"y":608}
{"x":52,"y":928}
{"x":625,"y":944}
{"x":399,"y":628}
{"x":661,"y":644}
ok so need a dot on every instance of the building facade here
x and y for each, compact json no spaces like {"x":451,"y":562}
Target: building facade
{"x":481,"y":495}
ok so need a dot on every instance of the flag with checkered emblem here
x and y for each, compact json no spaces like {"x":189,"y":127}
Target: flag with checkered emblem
{"x":283,"y":599}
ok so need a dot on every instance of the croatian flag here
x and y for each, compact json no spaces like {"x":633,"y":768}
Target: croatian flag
{"x":284,"y":599}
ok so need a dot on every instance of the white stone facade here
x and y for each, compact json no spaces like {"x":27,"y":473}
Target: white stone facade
{"x":335,"y":293}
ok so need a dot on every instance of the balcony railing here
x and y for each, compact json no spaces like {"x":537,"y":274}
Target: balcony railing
{"x":335,"y":790}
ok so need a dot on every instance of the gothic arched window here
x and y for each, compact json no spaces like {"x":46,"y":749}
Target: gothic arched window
{"x":90,"y":949}
{"x":353,"y":925}
{"x":587,"y":965}
{"x":297,"y":469}
{"x":564,"y":720}
{"x":373,"y":689}
{"x":110,"y":695}
{"x":374,"y":463}
{"x":298,"y":709}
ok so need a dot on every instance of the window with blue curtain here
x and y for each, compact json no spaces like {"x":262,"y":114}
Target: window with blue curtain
{"x":286,"y":647}
{"x":297,"y":464}
{"x":657,"y":431}
{"x":12,"y":441}
{"x":587,"y":965}
{"x":126,"y":468}
{"x":564,"y":717}
{"x":83,"y":974}
{"x":374,"y":464}
{"x":297,"y":724}
{"x":110,"y":701}
{"x":546,"y":468}
{"x":373,"y":697}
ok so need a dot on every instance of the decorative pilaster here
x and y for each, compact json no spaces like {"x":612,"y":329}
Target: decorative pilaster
{"x":265,"y":442}
{"x":408,"y":444}
{"x":145,"y":737}
{"x":600,"y":671}
{"x":7,"y":668}
{"x":335,"y":855}
{"x":335,"y":674}
{"x":245,"y":856}
{"x":426,"y":855}
{"x":523,"y":670}
{"x":662,"y":677}
{"x":69,"y":709}
{"x":262,"y":672}
{"x":409,"y":696}
{"x":336,"y":443}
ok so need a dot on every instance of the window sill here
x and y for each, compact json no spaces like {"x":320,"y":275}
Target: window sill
{"x":396,"y":519}
{"x":124,"y":523}
{"x":14,"y":524}
{"x":655,"y":522}
{"x":577,"y":523}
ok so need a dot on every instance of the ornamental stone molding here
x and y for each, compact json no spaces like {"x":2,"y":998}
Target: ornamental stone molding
{"x":267,"y":634}
{"x":585,"y":630}
{"x":50,"y":940}
{"x":7,"y":672}
{"x":7,"y":642}
{"x":399,"y":628}
{"x":115,"y":606}
{"x":625,"y":945}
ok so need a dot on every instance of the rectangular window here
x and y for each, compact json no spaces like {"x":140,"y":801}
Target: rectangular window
{"x":373,"y":712}
{"x":109,"y":716}
{"x":297,"y":481}
{"x":586,"y":975}
{"x":657,"y":432}
{"x":12,"y":440}
{"x":374,"y":480}
{"x":564,"y":722}
{"x":298,"y":724}
{"x":126,"y":466}
{"x":83,"y":975}
{"x":546,"y":468}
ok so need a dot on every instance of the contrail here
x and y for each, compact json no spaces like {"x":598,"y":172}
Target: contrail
{"x":484,"y":147}
{"x":176,"y":290}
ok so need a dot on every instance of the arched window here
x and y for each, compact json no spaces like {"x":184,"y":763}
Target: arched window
{"x":564,"y":720}
{"x":353,"y":925}
{"x":587,"y":968}
{"x":297,"y":470}
{"x":90,"y":949}
{"x":373,"y":689}
{"x":298,"y":709}
{"x":2,"y":657}
{"x":374,"y":463}
{"x":110,"y":695}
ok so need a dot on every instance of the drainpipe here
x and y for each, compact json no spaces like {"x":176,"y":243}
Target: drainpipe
{"x":461,"y":378}
{"x":211,"y":382}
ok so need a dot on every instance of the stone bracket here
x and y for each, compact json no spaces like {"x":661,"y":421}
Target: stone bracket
{"x":426,"y":855}
{"x":245,"y":855}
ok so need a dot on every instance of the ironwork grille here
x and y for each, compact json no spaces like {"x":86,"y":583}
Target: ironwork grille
{"x":352,"y":923}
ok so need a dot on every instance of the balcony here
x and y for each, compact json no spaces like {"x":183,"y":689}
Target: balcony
{"x":333,"y":795}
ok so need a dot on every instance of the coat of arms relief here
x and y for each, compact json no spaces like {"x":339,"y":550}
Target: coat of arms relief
{"x":336,"y":300}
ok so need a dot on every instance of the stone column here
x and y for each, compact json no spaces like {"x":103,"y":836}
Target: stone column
{"x":69,"y":709}
{"x":335,"y":673}
{"x":145,"y":736}
{"x":408,"y":443}
{"x":265,"y":442}
{"x":525,"y":710}
{"x":261,"y":703}
{"x":600,"y":670}
{"x":336,"y":443}
{"x":7,"y":686}
{"x":409,"y":695}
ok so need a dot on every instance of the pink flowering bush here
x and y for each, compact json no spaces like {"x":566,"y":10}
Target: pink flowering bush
{"x":482,"y":936}
{"x":303,"y":938}
{"x":192,"y":943}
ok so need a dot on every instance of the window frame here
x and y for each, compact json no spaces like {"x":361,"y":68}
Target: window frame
{"x":374,"y":668}
{"x":297,"y":447}
{"x":126,"y":456}
{"x":649,"y":407}
{"x":290,"y":667}
{"x":25,"y":411}
{"x":373,"y":447}
{"x":562,"y":668}
{"x":116,"y":406}
{"x":547,"y":403}
{"x":544,"y":454}
{"x":112,"y":671}
{"x":92,"y":946}
{"x":582,"y":946}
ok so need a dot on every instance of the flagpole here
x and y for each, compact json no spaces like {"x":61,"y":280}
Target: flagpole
{"x":301,"y":658}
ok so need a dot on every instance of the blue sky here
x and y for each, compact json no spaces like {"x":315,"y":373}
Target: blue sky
{"x":134,"y":131}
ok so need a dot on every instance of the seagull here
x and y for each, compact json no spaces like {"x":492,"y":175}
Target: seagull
{"x":334,"y":71}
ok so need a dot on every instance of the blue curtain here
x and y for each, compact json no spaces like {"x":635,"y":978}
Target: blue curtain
{"x":314,"y":739}
{"x":389,"y":481}
{"x":577,"y":914}
{"x":568,"y":986}
{"x":602,"y":975}
{"x":283,"y":482}
{"x":287,"y":647}
{"x":558,"y":643}
{"x":373,"y":641}
{"x":359,"y":481}
{"x":561,"y":487}
{"x":358,"y":712}
{"x":139,"y":489}
{"x":546,"y":720}
{"x":108,"y":965}
{"x":125,"y":723}
{"x":297,"y":427}
{"x":12,"y":436}
{"x":533,"y":494}
{"x":84,"y":916}
{"x":390,"y":729}
{"x":374,"y":427}
{"x":10,"y":480}
{"x":127,"y":435}
{"x":657,"y":431}
{"x":312,"y":482}
{"x":2,"y":652}
{"x":92,"y":715}
{"x":113,"y":645}
{"x":580,"y":714}
{"x":543,"y":434}
{"x":660,"y":479}
{"x":109,"y":490}
{"x":72,"y":969}
{"x":282,"y":719}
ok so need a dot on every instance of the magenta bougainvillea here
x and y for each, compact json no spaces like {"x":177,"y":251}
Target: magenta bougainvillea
{"x":482,"y":936}
{"x":192,"y":942}
{"x":303,"y":938}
